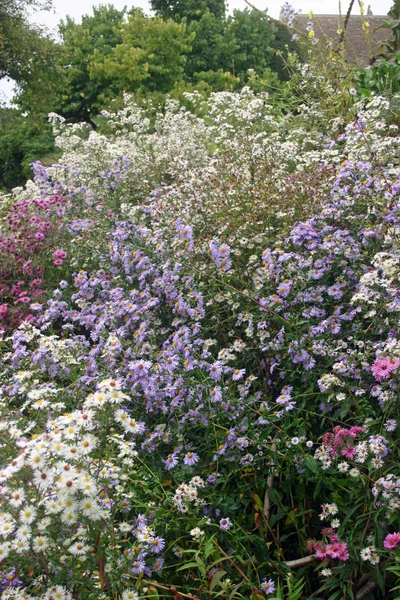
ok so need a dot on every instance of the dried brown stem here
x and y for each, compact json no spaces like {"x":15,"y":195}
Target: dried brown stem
{"x":261,"y":12}
{"x":366,"y":590}
{"x":235,"y":566}
{"x":300,"y":562}
{"x":346,"y":22}
{"x":172,"y":590}
{"x":270,"y":483}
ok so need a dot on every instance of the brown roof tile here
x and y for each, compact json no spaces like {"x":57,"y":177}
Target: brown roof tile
{"x":360,"y":47}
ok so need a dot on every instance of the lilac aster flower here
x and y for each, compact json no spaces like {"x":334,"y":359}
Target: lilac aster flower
{"x":158,"y":563}
{"x":157,"y":545}
{"x":390,"y":425}
{"x":283,"y":288}
{"x":238,"y":374}
{"x":138,"y":566}
{"x":224,"y":263}
{"x":170,"y":462}
{"x":10,"y":579}
{"x":268,"y":587}
{"x":216,"y":371}
{"x":216,"y":394}
{"x":191,"y":458}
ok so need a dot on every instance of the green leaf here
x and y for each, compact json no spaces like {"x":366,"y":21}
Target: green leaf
{"x":311,"y":463}
{"x":274,"y":496}
{"x":188,"y":566}
{"x":201,"y":566}
{"x":216,"y":579}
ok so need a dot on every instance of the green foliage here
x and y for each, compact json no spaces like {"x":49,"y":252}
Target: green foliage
{"x":242,"y":42}
{"x":22,"y":141}
{"x":213,"y":46}
{"x":150,"y":55}
{"x":20,"y":42}
{"x":383,"y":78}
{"x":253,"y":34}
{"x":392,"y":45}
{"x":82,"y":94}
{"x":282,"y":44}
{"x":189,"y":9}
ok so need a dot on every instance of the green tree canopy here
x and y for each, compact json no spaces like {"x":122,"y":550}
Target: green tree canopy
{"x":253,"y":35}
{"x":20,"y":42}
{"x":150,"y":56}
{"x":213,"y":47}
{"x":189,"y":9}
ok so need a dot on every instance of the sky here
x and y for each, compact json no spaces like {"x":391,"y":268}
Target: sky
{"x":77,"y":8}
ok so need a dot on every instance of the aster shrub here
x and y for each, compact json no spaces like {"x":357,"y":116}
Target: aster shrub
{"x":203,"y":401}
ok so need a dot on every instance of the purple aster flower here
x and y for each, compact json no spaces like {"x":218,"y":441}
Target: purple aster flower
{"x":391,"y":425}
{"x":157,"y":545}
{"x":238,"y":374}
{"x":10,"y":579}
{"x":216,"y":394}
{"x":268,"y":587}
{"x":191,"y":458}
{"x":224,"y":263}
{"x":140,"y":522}
{"x":283,"y":288}
{"x":216,"y":371}
{"x":170,"y":462}
{"x":138,"y":566}
{"x":158,"y":563}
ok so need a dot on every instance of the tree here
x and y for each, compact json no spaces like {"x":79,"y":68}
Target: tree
{"x":150,"y":57}
{"x":66,"y":83}
{"x":22,"y":141}
{"x":83,"y":94}
{"x":20,"y":42}
{"x":213,"y":47}
{"x":253,"y":35}
{"x":188,"y":9}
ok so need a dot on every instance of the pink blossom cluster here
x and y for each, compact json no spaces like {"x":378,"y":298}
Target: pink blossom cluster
{"x":341,"y":440}
{"x":383,"y":367}
{"x":58,"y":257}
{"x":392,"y":541}
{"x":24,"y":243}
{"x":334,"y":548}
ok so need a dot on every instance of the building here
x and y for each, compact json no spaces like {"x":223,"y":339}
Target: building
{"x":362,"y":41}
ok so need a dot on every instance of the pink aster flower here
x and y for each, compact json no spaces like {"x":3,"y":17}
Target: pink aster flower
{"x":338,"y":550}
{"x":383,"y":367}
{"x":320,"y":551}
{"x":349,"y":452}
{"x":392,"y":541}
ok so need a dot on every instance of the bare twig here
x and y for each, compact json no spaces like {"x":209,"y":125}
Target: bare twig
{"x":366,"y":590}
{"x":172,"y":590}
{"x":346,"y":22}
{"x":270,"y":483}
{"x":261,"y":12}
{"x":300,"y":562}
{"x":235,"y":566}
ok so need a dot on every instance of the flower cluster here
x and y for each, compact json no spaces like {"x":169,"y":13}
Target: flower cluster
{"x":214,"y":365}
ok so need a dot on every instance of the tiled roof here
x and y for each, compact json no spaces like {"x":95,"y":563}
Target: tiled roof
{"x":358,"y":48}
